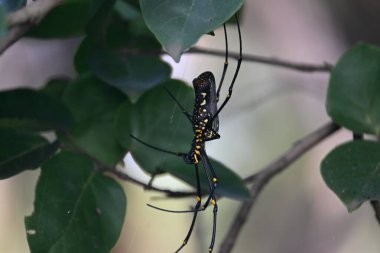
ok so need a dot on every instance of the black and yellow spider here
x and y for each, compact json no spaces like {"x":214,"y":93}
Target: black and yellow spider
{"x":205,"y":124}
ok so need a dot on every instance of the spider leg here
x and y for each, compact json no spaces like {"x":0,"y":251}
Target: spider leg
{"x":196,"y":208}
{"x":236,"y":72}
{"x":225,"y":66}
{"x":157,"y":148}
{"x":188,"y":115}
{"x":212,"y":184}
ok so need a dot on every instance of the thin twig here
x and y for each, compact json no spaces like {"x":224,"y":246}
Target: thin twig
{"x":101,"y":166}
{"x":21,"y":21}
{"x":260,"y":179}
{"x":305,"y":67}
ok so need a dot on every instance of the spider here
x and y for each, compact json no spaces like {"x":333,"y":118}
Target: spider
{"x":205,"y":123}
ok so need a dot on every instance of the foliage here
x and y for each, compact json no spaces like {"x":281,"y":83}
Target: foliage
{"x":353,"y":100}
{"x":75,"y":129}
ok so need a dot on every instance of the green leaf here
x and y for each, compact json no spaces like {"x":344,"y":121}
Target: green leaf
{"x":76,"y":209}
{"x":123,"y":124}
{"x":126,"y":10}
{"x":32,"y":109}
{"x":12,"y":5}
{"x":352,"y":171}
{"x":66,"y":20}
{"x":3,"y":22}
{"x":128,"y":73}
{"x":21,"y":151}
{"x":81,"y":56}
{"x":56,"y":87}
{"x":353,"y":98}
{"x":179,"y":24}
{"x":159,"y":121}
{"x":95,"y":104}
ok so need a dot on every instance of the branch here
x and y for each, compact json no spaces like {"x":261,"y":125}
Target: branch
{"x":21,"y":21}
{"x":305,"y":67}
{"x":264,"y":176}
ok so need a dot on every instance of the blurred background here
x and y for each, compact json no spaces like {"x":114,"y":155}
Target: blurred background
{"x":270,"y":109}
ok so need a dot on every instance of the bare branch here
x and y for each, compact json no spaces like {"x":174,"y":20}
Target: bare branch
{"x":32,"y":13}
{"x":260,"y":179}
{"x":305,"y":67}
{"x":21,"y":21}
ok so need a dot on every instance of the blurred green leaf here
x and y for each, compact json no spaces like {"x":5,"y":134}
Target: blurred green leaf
{"x":128,"y":73}
{"x":56,"y":87}
{"x":179,"y":24}
{"x":76,"y":209}
{"x":353,"y":98}
{"x":126,"y":10}
{"x":3,"y":22}
{"x":123,"y":124}
{"x":95,"y":104}
{"x":67,"y":20}
{"x":21,"y":151}
{"x":12,"y":5}
{"x":32,"y":109}
{"x":81,"y":56}
{"x":352,"y":171}
{"x":159,"y":121}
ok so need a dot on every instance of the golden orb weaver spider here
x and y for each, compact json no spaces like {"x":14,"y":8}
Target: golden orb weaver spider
{"x":205,"y":124}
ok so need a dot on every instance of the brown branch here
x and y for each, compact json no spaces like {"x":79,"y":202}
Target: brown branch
{"x":305,"y":67}
{"x":260,"y":179}
{"x":21,"y":21}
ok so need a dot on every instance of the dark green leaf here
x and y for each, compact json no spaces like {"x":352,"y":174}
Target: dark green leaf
{"x":3,"y":22}
{"x":159,"y":121}
{"x":179,"y":24}
{"x":56,"y":87}
{"x":99,"y":24}
{"x":123,"y":124}
{"x":67,"y":20}
{"x":31,"y":109}
{"x":12,"y":5}
{"x":81,"y":56}
{"x":131,"y":74}
{"x":352,"y":171}
{"x":95,"y":104}
{"x":21,"y":151}
{"x":126,"y":10}
{"x":76,"y":209}
{"x":353,"y":98}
